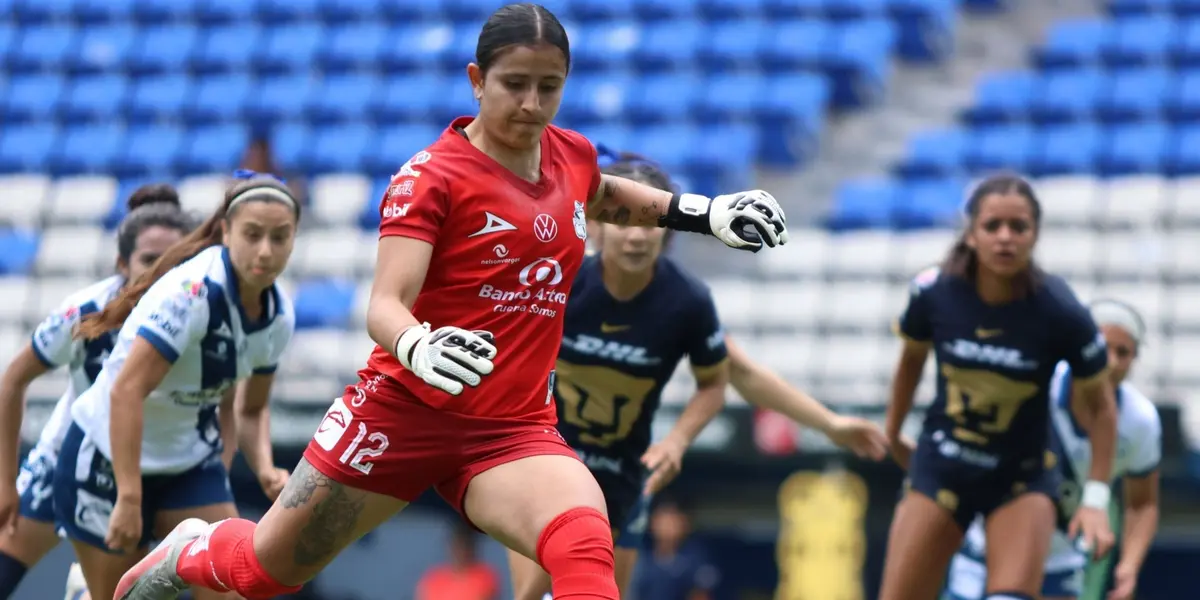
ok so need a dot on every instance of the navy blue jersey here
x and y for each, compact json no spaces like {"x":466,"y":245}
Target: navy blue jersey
{"x":995,"y":364}
{"x":616,"y":357}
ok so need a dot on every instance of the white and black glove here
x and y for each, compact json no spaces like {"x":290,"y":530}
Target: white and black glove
{"x":447,"y":358}
{"x":745,"y":220}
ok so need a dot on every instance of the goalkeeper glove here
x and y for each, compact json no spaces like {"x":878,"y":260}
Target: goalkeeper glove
{"x":745,"y":220}
{"x":446,"y":358}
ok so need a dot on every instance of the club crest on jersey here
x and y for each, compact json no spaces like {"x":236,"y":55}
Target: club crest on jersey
{"x":407,"y":169}
{"x":579,"y":219}
{"x":192,"y":288}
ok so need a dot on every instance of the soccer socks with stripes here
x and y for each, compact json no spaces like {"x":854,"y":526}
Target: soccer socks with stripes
{"x":227,"y":563}
{"x":12,"y":571}
{"x":576,"y":549}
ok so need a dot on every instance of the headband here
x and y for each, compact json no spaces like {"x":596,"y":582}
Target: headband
{"x":1115,"y":312}
{"x":262,"y":192}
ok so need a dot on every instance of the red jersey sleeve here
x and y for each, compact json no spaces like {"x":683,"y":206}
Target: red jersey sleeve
{"x":415,"y":204}
{"x":584,"y":151}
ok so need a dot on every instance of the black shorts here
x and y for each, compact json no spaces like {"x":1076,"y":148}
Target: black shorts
{"x":967,"y":490}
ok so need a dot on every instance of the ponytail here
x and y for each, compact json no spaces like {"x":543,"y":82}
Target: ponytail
{"x":247,"y":185}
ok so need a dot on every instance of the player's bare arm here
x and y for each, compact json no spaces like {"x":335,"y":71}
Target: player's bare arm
{"x":400,"y":269}
{"x":765,"y":389}
{"x":623,"y":201}
{"x":904,"y":388}
{"x":24,"y":368}
{"x":665,"y":459}
{"x":1095,"y":408}
{"x":254,"y":433}
{"x":1141,"y":523}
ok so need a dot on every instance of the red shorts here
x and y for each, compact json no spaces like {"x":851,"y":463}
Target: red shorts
{"x":383,"y":442}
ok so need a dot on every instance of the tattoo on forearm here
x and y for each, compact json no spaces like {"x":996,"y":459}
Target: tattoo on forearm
{"x":334,"y":516}
{"x":650,"y":210}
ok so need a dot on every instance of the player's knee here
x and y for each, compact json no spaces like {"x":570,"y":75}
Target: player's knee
{"x":576,"y":549}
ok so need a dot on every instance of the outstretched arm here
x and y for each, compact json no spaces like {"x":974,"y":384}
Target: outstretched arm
{"x":623,"y":201}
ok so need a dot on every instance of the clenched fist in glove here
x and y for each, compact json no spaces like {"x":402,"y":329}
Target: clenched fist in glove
{"x":447,"y":358}
{"x":745,"y":220}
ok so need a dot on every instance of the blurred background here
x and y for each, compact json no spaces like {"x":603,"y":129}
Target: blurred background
{"x":867,"y":118}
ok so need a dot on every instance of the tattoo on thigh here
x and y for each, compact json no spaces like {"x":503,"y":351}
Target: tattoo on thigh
{"x":334,"y":515}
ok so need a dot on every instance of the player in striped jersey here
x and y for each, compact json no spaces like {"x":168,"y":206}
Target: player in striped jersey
{"x":144,"y":450}
{"x":1139,"y":449}
{"x":153,"y":224}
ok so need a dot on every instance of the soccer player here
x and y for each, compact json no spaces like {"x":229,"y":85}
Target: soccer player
{"x":998,"y":325}
{"x":632,"y":316}
{"x":1139,"y":449}
{"x":144,"y":449}
{"x":481,"y":236}
{"x":154,"y":223}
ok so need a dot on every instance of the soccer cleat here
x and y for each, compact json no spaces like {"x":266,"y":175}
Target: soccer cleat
{"x":155,"y":577}
{"x":76,"y":584}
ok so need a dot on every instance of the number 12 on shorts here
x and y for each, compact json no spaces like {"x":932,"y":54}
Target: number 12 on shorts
{"x":333,"y":427}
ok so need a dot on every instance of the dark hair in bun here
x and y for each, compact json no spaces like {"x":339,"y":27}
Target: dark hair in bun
{"x":155,"y":193}
{"x":154,"y":205}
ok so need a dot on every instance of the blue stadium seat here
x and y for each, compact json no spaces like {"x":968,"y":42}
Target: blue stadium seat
{"x":595,"y":10}
{"x":725,"y":10}
{"x":407,"y":11}
{"x":27,"y":147}
{"x":276,"y":11}
{"x":340,"y":149}
{"x":660,"y":98}
{"x":795,"y":45}
{"x":1067,"y":96}
{"x":1135,"y":148}
{"x":218,"y":98}
{"x":1125,"y":8}
{"x":280,"y":98}
{"x":1001,"y":147}
{"x":324,"y":303}
{"x":723,"y":157}
{"x":41,"y":48}
{"x":613,"y":135}
{"x":31,"y":98}
{"x":791,"y":117}
{"x":395,"y":145}
{"x":664,"y":10}
{"x":103,"y":11}
{"x":669,"y":145}
{"x":292,"y":143}
{"x":337,"y":11}
{"x":859,"y":62}
{"x":461,"y":50}
{"x":354,"y":46}
{"x":790,"y":9}
{"x":226,"y":48}
{"x":1183,"y":157}
{"x":368,"y":217}
{"x":1065,"y":149}
{"x":1182,"y":102}
{"x":729,"y":97}
{"x":596,"y":98}
{"x":1001,"y":97}
{"x":924,"y":28}
{"x":87,"y":149}
{"x":1135,"y":95}
{"x":1074,"y":43}
{"x":1185,"y":49}
{"x":863,"y":204}
{"x":101,"y":48}
{"x":408,"y":97}
{"x":18,"y":249}
{"x":928,"y":203}
{"x":151,"y":150}
{"x":163,"y":49}
{"x":212,"y":149}
{"x":125,"y":188}
{"x":94,"y":98}
{"x":289,"y":48}
{"x":163,"y":11}
{"x":38,"y":11}
{"x":855,"y":9}
{"x":416,"y":47}
{"x":8,"y":40}
{"x":733,"y":45}
{"x":457,"y":100}
{"x":605,"y":45}
{"x":668,"y":45}
{"x":224,"y":11}
{"x":934,"y":154}
{"x":469,"y":11}
{"x":343,"y":98}
{"x":1139,"y":41}
{"x":158,"y":98}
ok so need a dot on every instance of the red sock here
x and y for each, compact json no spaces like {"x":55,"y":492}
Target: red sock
{"x":223,"y":560}
{"x":576,"y":549}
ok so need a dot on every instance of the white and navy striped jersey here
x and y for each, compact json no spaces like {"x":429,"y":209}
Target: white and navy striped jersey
{"x":1139,"y":450}
{"x":55,"y":344}
{"x":194,"y":317}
